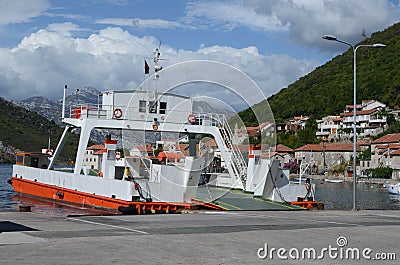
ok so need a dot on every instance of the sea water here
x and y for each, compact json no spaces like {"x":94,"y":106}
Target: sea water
{"x":6,"y":190}
{"x":339,"y":196}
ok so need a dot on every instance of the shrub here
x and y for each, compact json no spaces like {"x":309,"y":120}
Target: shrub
{"x":380,"y":172}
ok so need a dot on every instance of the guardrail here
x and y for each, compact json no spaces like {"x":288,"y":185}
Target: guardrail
{"x":126,"y":113}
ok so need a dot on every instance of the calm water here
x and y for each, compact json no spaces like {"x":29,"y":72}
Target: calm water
{"x":6,"y":190}
{"x":368,"y":196}
{"x":333,"y":195}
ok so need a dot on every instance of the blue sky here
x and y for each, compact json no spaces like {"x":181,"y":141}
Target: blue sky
{"x":101,"y":43}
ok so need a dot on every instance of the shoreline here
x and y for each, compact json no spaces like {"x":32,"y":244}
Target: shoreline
{"x":378,"y":181}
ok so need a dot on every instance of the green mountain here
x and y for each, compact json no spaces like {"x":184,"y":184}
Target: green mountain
{"x":28,"y":131}
{"x":328,"y":88}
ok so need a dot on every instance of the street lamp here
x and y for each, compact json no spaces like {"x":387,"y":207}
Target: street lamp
{"x":376,"y":45}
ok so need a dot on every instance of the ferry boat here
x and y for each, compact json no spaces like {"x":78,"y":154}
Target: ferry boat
{"x":137,"y":184}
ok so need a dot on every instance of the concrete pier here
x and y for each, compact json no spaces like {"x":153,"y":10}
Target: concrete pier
{"x":203,"y":237}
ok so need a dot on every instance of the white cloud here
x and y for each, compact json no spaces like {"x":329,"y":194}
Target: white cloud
{"x":65,"y":29}
{"x":113,"y":59}
{"x":12,"y":11}
{"x":305,"y":21}
{"x":230,"y":14}
{"x":309,"y":20}
{"x":140,"y":23}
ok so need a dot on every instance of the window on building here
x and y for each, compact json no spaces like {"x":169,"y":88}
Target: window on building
{"x":142,"y":105}
{"x":153,"y":106}
{"x":163,"y":107}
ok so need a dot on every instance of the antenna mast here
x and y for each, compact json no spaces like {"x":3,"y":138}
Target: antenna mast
{"x":156,"y":60}
{"x":157,"y":67}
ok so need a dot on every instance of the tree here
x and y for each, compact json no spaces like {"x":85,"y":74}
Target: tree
{"x":366,"y":154}
{"x":380,"y":172}
{"x":307,"y":135}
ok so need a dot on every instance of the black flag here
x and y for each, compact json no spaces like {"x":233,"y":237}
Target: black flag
{"x":146,"y":68}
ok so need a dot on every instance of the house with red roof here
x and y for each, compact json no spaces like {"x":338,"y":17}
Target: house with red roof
{"x":93,"y":157}
{"x":297,"y":123}
{"x":370,"y":121}
{"x":328,"y":127}
{"x":325,"y":155}
{"x":385,"y":152}
{"x":280,"y":152}
{"x":264,"y":129}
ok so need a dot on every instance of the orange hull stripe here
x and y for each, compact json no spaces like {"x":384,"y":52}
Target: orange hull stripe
{"x":85,"y":199}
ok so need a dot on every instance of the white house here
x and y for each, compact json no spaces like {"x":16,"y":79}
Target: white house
{"x":328,"y":127}
{"x":93,"y":157}
{"x":370,"y":121}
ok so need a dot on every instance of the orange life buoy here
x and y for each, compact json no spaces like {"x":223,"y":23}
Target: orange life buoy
{"x":117,"y":113}
{"x":192,"y":118}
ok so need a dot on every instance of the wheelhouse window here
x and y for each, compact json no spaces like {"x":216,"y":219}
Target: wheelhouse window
{"x":142,"y":105}
{"x":153,"y":106}
{"x":163,"y":107}
{"x":20,"y":159}
{"x":111,"y":155}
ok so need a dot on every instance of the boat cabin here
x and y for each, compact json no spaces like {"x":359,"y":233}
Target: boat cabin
{"x":33,"y":159}
{"x":147,"y":105}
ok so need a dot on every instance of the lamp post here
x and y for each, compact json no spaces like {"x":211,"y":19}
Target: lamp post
{"x":376,"y":45}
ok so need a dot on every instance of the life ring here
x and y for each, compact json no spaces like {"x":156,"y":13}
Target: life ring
{"x":117,"y":113}
{"x":49,"y":152}
{"x":192,"y":118}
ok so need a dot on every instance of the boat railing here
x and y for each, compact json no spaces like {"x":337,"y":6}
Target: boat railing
{"x":136,"y":113}
{"x":207,"y":119}
{"x":87,"y":111}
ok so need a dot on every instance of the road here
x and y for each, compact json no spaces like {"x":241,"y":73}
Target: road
{"x":202,"y":237}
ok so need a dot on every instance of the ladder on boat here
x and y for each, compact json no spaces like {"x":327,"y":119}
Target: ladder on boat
{"x":236,"y":160}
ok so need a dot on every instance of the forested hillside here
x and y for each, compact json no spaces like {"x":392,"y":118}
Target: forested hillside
{"x":28,"y":131}
{"x":329,"y":87}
